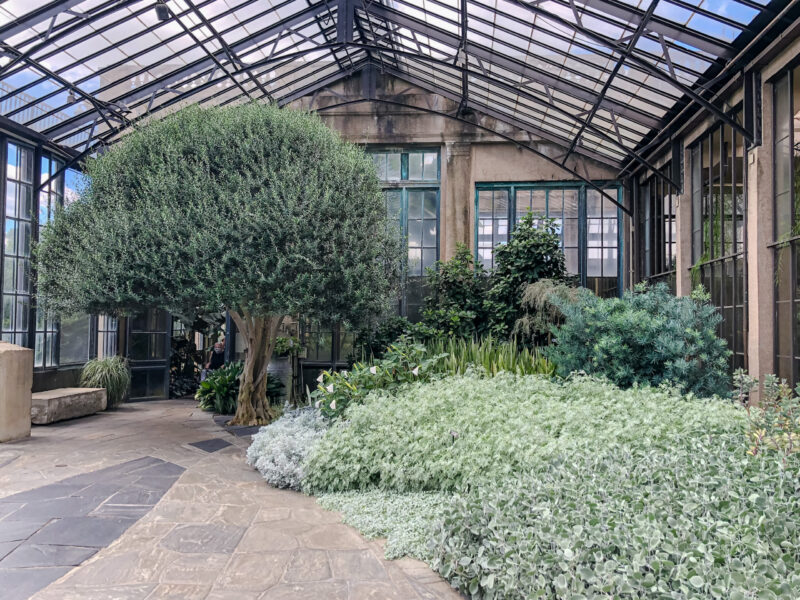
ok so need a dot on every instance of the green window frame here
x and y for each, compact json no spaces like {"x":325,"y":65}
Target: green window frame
{"x":411,"y":186}
{"x":590,"y":226}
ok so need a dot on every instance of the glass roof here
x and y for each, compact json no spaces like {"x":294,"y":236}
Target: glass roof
{"x":597,"y":76}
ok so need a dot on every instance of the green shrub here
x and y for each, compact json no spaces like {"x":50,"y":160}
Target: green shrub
{"x":279,"y":449}
{"x":220,"y":389}
{"x":533,"y":253}
{"x":648,"y":336}
{"x":459,"y":431}
{"x":456,"y":290}
{"x":111,"y":373}
{"x":403,"y":362}
{"x":683,"y":517}
{"x":372,"y":342}
{"x":539,"y":311}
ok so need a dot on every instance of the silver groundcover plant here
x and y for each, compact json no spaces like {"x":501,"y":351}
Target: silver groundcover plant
{"x":279,"y":449}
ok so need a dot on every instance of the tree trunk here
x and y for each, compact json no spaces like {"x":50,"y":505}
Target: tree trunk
{"x":259,"y":335}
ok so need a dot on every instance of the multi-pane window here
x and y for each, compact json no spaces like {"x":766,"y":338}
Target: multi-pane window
{"x":786,"y":245}
{"x":107,"y":328}
{"x":602,"y":244}
{"x":587,"y":223}
{"x":17,"y":232}
{"x":51,"y":196}
{"x":148,"y":340}
{"x":492,"y":223}
{"x":718,"y":233}
{"x":658,"y":229}
{"x":411,"y":189}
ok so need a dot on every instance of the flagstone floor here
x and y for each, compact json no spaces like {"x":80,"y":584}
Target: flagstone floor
{"x":155,"y":501}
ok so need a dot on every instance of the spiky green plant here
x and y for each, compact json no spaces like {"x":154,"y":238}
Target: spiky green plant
{"x":490,"y":354}
{"x":111,"y":373}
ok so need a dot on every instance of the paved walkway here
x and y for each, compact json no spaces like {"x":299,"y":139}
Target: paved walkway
{"x":155,"y":501}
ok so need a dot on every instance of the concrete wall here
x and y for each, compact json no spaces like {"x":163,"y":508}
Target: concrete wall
{"x":469,"y":154}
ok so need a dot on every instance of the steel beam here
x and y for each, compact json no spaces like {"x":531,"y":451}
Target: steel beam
{"x":521,"y":69}
{"x":232,"y":58}
{"x":345,"y":17}
{"x":641,"y":63}
{"x":195,"y":67}
{"x":37,"y":15}
{"x":640,"y":29}
{"x":624,"y":12}
{"x":494,"y":81}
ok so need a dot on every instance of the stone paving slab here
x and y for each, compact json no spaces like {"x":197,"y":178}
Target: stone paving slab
{"x":211,"y":445}
{"x":191,"y":525}
{"x":36,"y":555}
{"x":48,"y":530}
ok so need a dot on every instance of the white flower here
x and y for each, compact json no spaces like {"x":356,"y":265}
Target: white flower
{"x":317,"y":403}
{"x":333,"y":405}
{"x":415,"y":370}
{"x":330,"y":388}
{"x":320,"y":378}
{"x":373,"y":370}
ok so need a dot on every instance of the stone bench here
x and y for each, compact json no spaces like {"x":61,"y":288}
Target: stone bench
{"x":66,"y":403}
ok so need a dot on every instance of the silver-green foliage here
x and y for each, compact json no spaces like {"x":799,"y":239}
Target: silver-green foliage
{"x":406,"y":520}
{"x":679,"y":518}
{"x":279,"y":449}
{"x":463,"y":430}
{"x":111,"y":373}
{"x":252,"y":208}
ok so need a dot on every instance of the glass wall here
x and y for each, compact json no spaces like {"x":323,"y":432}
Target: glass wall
{"x":657,"y":239}
{"x":786,"y":137}
{"x":51,"y":195}
{"x":588,"y":225}
{"x":17,"y":231}
{"x":718,"y":230}
{"x":411,"y":188}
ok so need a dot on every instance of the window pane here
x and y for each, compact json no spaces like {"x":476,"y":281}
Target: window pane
{"x":393,"y":167}
{"x":415,"y":166}
{"x":431,"y":167}
{"x":74,"y":342}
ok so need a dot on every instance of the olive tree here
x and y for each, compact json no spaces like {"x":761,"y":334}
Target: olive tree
{"x":257,"y":210}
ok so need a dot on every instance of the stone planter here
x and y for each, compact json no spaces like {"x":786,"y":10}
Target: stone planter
{"x":16,"y":380}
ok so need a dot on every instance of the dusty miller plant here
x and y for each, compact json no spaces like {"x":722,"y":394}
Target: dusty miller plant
{"x":257,"y":210}
{"x":279,"y":449}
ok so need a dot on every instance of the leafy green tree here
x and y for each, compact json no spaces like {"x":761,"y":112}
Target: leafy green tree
{"x":533,"y":253}
{"x":647,"y":336}
{"x":260,"y":211}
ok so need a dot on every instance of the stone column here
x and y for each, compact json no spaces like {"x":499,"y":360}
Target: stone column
{"x":759,"y":260}
{"x":16,"y":375}
{"x":457,"y":198}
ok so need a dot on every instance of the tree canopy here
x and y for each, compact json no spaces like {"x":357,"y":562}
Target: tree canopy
{"x":258,"y":210}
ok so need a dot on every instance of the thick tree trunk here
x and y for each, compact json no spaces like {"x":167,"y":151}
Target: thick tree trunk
{"x":259,"y":336}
